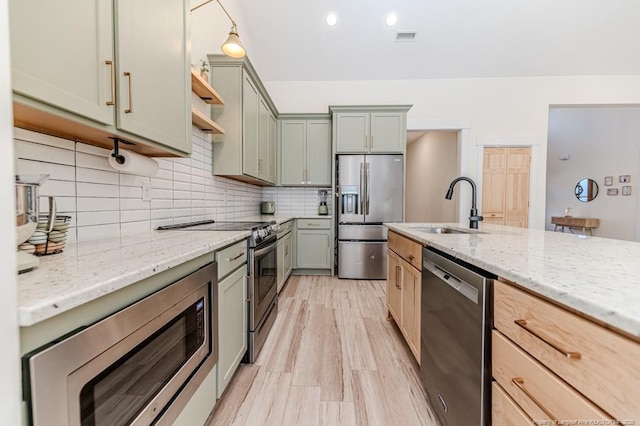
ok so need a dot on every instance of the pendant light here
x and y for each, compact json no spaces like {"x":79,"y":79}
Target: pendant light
{"x":232,"y":46}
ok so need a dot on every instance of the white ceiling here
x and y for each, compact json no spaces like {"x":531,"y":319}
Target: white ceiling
{"x":455,"y":38}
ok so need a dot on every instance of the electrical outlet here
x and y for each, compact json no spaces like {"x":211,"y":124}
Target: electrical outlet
{"x":146,"y":191}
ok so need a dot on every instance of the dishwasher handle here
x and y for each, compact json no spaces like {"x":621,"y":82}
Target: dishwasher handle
{"x":462,"y":287}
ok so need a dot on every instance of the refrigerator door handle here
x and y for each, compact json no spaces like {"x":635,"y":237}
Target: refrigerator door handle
{"x":361,"y":189}
{"x":367,"y":184}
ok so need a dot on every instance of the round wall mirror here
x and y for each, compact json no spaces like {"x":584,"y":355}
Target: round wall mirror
{"x":586,"y":190}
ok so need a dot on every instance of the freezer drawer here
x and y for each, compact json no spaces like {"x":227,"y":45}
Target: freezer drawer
{"x":362,"y":260}
{"x":362,"y":232}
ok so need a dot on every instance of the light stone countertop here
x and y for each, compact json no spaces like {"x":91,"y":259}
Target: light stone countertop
{"x":88,"y":270}
{"x":598,"y":277}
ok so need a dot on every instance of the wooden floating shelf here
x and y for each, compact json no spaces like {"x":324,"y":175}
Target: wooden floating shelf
{"x":201,"y":87}
{"x":204,"y":123}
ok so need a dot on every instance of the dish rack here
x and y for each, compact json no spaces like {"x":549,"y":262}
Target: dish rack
{"x":43,"y":243}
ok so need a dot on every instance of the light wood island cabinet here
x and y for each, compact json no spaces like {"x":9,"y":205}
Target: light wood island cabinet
{"x":557,"y":365}
{"x":404,"y":287}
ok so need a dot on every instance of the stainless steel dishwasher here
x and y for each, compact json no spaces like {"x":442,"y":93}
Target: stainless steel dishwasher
{"x":455,"y":340}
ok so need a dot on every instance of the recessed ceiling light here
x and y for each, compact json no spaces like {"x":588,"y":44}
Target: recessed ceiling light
{"x":391,"y":19}
{"x":331,"y":19}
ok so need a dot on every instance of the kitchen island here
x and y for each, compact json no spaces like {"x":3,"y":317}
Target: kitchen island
{"x":565,"y":342}
{"x":595,"y":277}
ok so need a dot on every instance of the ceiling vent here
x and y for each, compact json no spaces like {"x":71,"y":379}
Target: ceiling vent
{"x":405,"y":36}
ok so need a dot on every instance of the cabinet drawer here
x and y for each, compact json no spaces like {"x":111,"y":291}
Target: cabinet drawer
{"x":504,"y":411}
{"x":599,"y":363}
{"x":408,"y":249}
{"x":535,"y":388}
{"x":231,"y":257}
{"x":314,"y":224}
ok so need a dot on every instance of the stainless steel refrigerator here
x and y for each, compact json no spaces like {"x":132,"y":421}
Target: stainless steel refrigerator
{"x":370,"y":192}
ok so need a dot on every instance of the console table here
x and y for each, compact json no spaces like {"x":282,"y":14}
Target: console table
{"x":586,"y":223}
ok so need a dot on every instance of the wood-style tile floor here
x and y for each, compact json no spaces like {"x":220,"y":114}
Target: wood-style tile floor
{"x":332,"y":358}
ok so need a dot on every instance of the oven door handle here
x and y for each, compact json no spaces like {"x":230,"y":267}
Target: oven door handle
{"x":265,"y":250}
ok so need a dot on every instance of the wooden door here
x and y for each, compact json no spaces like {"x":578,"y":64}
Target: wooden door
{"x":505,"y":185}
{"x":517,"y":187}
{"x":411,"y":299}
{"x":493,"y":185}
{"x":394,"y":289}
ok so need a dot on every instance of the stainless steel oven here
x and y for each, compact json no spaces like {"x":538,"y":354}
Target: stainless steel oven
{"x":262,"y":292}
{"x":262,"y":274}
{"x":138,"y":366}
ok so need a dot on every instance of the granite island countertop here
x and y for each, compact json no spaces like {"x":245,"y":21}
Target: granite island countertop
{"x":598,"y":277}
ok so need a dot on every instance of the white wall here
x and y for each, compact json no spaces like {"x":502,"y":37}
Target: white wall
{"x":500,"y":109}
{"x":432,"y":163}
{"x":10,"y":389}
{"x":600,"y":142}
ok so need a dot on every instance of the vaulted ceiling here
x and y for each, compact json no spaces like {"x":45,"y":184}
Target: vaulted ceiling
{"x":454,"y":38}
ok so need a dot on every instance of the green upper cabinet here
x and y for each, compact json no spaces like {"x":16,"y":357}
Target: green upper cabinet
{"x":94,"y":69}
{"x":305,"y":149}
{"x":246,"y":151}
{"x":153,"y":75}
{"x":370,"y":129}
{"x":62,"y":54}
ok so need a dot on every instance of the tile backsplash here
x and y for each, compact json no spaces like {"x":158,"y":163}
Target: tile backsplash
{"x":103,"y":202}
{"x":296,"y":201}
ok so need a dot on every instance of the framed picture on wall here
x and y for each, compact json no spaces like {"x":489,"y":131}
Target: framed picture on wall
{"x":608,"y":180}
{"x":612,"y":191}
{"x":626,"y":190}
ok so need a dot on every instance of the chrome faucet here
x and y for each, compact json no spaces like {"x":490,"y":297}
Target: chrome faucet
{"x":474,"y":218}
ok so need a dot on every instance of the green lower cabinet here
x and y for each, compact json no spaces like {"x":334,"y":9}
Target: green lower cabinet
{"x":232,"y":325}
{"x":314,"y":249}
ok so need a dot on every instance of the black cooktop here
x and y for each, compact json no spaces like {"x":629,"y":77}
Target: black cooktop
{"x":211,"y":225}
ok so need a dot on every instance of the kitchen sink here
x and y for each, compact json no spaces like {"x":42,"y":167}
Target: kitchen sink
{"x":444,"y":230}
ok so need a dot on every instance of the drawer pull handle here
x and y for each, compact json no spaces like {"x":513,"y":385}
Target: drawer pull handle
{"x":130,"y":109}
{"x":313,"y":224}
{"x":237,"y":256}
{"x":398,"y":271}
{"x":570,"y":355}
{"x":411,"y":257}
{"x":519,"y":382}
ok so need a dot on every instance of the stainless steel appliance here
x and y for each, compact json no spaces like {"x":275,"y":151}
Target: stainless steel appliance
{"x":268,"y":207}
{"x":455,"y":341}
{"x":262,"y":271}
{"x":370,"y":192}
{"x":138,"y":366}
{"x":27,"y":210}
